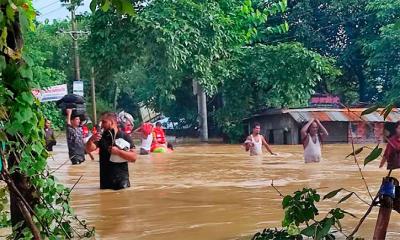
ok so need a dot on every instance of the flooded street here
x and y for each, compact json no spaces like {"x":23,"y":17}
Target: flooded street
{"x":214,"y":192}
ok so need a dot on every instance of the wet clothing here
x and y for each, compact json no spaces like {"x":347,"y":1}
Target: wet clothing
{"x":159,"y":135}
{"x":146,"y":145}
{"x":392,"y":153}
{"x":113,"y":175}
{"x":76,"y":146}
{"x":256,"y":149}
{"x":50,"y":139}
{"x":312,"y":152}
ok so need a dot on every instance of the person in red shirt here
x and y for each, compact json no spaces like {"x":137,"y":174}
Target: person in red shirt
{"x":392,"y":152}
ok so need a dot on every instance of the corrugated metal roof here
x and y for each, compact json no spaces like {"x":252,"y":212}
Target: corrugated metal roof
{"x":340,"y":115}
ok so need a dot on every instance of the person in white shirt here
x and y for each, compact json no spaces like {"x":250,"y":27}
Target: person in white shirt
{"x":255,"y":141}
{"x":312,"y":140}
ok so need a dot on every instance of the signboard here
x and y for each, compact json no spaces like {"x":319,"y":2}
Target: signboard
{"x":51,"y":94}
{"x":323,"y":100}
{"x":147,"y":114}
{"x":77,"y":88}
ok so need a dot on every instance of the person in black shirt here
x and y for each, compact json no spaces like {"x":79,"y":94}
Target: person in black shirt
{"x":114,"y":172}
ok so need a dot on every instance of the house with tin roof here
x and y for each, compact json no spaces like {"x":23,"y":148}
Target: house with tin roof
{"x":282,"y":126}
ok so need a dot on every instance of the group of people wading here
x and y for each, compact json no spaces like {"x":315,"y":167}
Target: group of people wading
{"x":311,"y":134}
{"x":114,"y":142}
{"x":116,"y":147}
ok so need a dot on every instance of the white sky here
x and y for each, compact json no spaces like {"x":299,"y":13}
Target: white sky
{"x":52,"y":9}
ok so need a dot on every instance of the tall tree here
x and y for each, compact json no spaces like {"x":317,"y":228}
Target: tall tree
{"x":383,"y":64}
{"x":270,"y":76}
{"x":337,"y":29}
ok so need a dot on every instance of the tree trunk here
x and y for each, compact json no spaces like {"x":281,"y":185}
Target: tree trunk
{"x":21,"y":192}
{"x":362,"y":86}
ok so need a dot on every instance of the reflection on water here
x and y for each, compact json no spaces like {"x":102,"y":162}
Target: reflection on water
{"x":214,"y":192}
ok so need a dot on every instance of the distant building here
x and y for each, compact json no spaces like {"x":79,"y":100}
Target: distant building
{"x":282,"y":126}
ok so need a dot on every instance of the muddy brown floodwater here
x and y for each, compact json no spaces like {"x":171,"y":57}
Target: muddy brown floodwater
{"x":214,"y":191}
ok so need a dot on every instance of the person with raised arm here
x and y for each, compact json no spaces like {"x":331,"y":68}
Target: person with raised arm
{"x":311,"y":135}
{"x":76,"y":146}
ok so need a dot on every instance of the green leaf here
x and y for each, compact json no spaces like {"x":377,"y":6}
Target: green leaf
{"x":286,"y":201}
{"x":356,"y":152}
{"x":106,"y":6}
{"x":337,"y":213}
{"x":388,"y":109}
{"x":332,"y":194}
{"x":348,"y":213}
{"x":283,"y":5}
{"x":286,"y":26}
{"x":309,"y":231}
{"x":93,"y":5}
{"x":3,"y":63}
{"x":346,"y":197}
{"x":3,"y":137}
{"x":26,"y":72}
{"x":10,"y":12}
{"x":369,"y":110}
{"x":27,"y":97}
{"x":38,"y":148}
{"x":325,"y":228}
{"x":128,"y":8}
{"x":373,"y":155}
{"x":293,"y":230}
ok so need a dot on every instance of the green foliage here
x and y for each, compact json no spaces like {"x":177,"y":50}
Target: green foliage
{"x":383,"y":62}
{"x":300,"y":217}
{"x":333,"y":193}
{"x":375,"y":154}
{"x":48,"y":53}
{"x":356,"y":152}
{"x":300,"y":208}
{"x":274,"y":234}
{"x":4,"y":213}
{"x":361,"y":35}
{"x":52,"y":112}
{"x":170,"y":44}
{"x":123,"y":6}
{"x":269,"y":76}
{"x":369,"y":110}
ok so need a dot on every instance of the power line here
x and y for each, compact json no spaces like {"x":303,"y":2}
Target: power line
{"x":48,"y":5}
{"x":55,"y":10}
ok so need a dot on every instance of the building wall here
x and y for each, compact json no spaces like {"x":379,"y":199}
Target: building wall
{"x":337,"y":132}
{"x":366,"y":132}
{"x":278,"y":129}
{"x":283,"y":129}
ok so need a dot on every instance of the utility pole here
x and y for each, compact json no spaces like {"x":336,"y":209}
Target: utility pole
{"x":93,"y":91}
{"x":201,"y":110}
{"x":74,"y":36}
